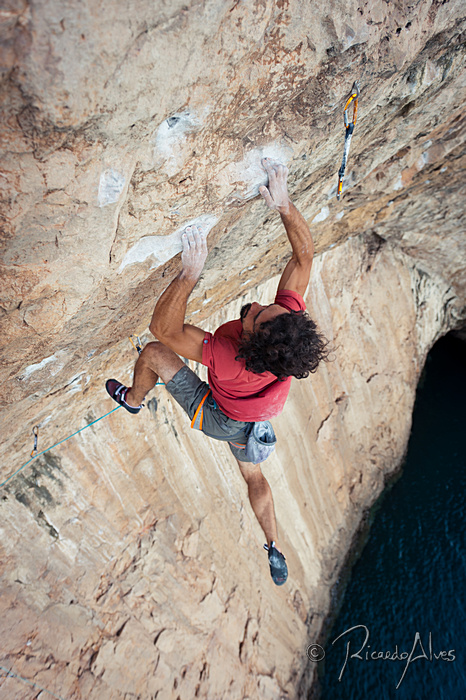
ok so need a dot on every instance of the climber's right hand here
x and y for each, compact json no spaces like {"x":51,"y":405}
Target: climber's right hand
{"x":276,"y":195}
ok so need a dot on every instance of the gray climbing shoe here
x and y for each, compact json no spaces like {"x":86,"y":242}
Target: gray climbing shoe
{"x":277,"y":563}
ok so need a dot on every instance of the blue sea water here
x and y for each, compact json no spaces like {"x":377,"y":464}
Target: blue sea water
{"x":406,"y":592}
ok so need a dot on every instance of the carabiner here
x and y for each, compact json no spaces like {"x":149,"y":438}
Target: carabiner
{"x":35,"y":432}
{"x":349,"y":126}
{"x":138,"y":344}
{"x":354,"y":97}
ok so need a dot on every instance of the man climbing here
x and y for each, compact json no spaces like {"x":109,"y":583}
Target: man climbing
{"x":250,"y":360}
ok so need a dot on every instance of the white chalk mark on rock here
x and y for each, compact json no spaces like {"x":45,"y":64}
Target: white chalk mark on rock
{"x":398,"y":183}
{"x":31,"y":369}
{"x":75,"y":384}
{"x":430,"y":74}
{"x":321,"y":216}
{"x":162,"y":248}
{"x":172,"y":146}
{"x":422,"y":160}
{"x":340,"y":215}
{"x":353,"y":36}
{"x":172,"y":130}
{"x":248,"y":175}
{"x":110,"y":187}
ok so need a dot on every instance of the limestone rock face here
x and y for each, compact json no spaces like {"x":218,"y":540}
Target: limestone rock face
{"x":131,"y":561}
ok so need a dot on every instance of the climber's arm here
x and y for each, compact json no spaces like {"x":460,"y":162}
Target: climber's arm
{"x":299,"y":234}
{"x":167,"y":323}
{"x":295,"y":276}
{"x":297,"y":272}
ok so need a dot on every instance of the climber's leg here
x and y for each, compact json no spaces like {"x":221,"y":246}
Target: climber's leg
{"x":156,"y":360}
{"x":260,"y":497}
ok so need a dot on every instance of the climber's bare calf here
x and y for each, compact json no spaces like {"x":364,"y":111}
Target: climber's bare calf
{"x":260,"y":497}
{"x":156,"y":360}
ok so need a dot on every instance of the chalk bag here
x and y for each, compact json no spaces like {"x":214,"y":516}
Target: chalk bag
{"x":261,"y":442}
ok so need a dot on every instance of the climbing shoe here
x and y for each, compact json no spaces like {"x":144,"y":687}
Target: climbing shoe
{"x":118,"y":393}
{"x":278,"y":567}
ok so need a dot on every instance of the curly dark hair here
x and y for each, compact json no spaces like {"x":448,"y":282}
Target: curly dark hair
{"x":287,"y":345}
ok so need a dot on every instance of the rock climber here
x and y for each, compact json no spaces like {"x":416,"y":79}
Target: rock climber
{"x":250,"y":360}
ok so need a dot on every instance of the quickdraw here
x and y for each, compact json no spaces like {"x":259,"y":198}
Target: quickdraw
{"x":136,"y":346}
{"x":349,"y":125}
{"x":35,"y":432}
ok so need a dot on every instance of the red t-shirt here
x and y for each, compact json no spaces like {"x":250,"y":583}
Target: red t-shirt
{"x":244,"y":395}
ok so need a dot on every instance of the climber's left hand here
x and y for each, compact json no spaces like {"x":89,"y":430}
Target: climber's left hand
{"x":194,"y":252}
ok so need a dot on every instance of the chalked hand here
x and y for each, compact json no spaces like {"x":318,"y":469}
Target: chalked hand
{"x":194,"y":253}
{"x":276,"y":195}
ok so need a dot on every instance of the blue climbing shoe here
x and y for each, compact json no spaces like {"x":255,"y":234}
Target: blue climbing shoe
{"x":118,"y":393}
{"x":278,"y":567}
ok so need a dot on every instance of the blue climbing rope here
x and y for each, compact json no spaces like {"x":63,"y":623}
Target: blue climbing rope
{"x":10,"y":674}
{"x":57,"y":443}
{"x":36,"y":429}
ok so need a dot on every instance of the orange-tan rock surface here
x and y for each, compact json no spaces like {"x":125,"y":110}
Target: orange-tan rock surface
{"x":131,"y":562}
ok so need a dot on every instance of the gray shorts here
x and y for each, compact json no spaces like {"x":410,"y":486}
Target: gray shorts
{"x":189,"y":391}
